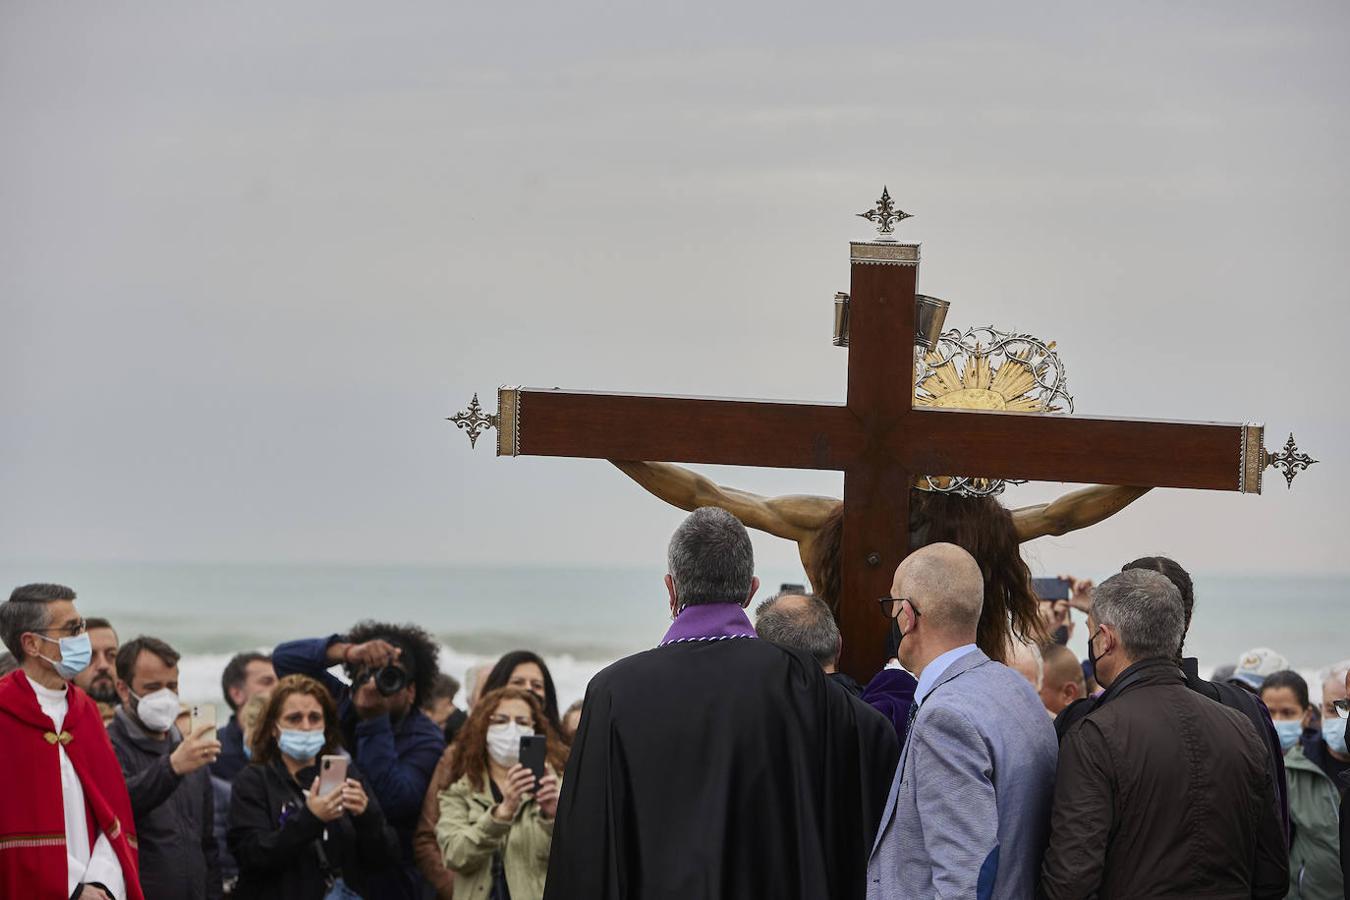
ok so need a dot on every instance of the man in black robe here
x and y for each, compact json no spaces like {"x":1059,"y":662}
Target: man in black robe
{"x":716,"y":766}
{"x":803,"y":622}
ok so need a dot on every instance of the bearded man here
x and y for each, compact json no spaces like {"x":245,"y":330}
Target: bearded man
{"x":99,"y":678}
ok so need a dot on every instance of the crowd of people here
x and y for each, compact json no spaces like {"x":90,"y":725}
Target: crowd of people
{"x":732,"y":760}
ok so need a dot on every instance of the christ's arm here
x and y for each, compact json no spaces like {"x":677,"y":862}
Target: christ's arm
{"x":796,"y":517}
{"x":1075,"y":510}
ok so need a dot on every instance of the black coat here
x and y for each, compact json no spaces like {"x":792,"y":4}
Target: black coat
{"x":175,"y":820}
{"x":1162,"y":792}
{"x":275,"y":838}
{"x":712,"y":770}
{"x":1225,"y":694}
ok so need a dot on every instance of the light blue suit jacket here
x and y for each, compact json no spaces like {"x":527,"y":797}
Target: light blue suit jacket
{"x":969,"y":809}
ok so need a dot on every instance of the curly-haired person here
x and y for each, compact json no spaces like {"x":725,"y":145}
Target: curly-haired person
{"x":395,"y":744}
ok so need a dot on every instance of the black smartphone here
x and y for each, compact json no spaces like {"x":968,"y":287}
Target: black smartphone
{"x":1051,"y":588}
{"x":533,"y":749}
{"x":786,"y":588}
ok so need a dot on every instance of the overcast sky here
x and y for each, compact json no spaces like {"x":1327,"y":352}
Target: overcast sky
{"x":251,"y":255}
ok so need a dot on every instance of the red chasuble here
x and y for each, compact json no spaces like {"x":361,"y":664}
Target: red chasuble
{"x":32,"y":818}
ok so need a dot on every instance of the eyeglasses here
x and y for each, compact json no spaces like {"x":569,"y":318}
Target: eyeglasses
{"x":891,"y":605}
{"x":70,"y":629}
{"x":1342,"y":708}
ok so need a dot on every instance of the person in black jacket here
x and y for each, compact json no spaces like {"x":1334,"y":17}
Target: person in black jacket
{"x":1221,"y":692}
{"x":166,"y":775}
{"x":289,"y":841}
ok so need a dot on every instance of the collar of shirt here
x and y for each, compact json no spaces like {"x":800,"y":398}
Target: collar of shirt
{"x":709,"y":622}
{"x":935,"y":669}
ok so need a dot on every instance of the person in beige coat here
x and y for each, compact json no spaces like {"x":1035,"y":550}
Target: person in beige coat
{"x":496,"y":822}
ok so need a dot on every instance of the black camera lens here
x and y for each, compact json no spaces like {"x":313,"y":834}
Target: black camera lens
{"x":389,"y":680}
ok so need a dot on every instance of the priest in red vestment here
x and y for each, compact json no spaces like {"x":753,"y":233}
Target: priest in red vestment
{"x":66,"y":827}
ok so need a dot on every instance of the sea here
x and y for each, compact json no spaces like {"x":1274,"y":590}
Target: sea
{"x":580,"y":619}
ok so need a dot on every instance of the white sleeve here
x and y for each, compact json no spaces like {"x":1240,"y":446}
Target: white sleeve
{"x":105,"y":868}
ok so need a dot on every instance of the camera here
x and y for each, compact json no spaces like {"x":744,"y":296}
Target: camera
{"x":389,"y":680}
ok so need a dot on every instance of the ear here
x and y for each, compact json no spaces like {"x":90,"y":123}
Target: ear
{"x":670,"y":589}
{"x":123,"y":693}
{"x":754,"y":586}
{"x":31,"y":644}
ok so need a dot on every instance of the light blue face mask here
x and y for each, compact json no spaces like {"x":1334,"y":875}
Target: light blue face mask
{"x":248,"y":751}
{"x":76,"y":652}
{"x":1288,"y":731}
{"x":1333,"y":730}
{"x":300,"y":745}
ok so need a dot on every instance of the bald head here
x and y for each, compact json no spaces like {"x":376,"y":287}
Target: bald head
{"x":1063,"y":682}
{"x":803,"y":623}
{"x":946,"y":586}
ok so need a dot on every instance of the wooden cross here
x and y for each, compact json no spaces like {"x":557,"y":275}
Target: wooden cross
{"x":876,"y":438}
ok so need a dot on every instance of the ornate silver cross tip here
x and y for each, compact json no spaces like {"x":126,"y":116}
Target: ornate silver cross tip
{"x":885,"y":216}
{"x":1289,"y":461}
{"x":473,"y":421}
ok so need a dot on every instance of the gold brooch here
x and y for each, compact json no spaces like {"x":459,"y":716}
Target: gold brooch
{"x":63,"y":738}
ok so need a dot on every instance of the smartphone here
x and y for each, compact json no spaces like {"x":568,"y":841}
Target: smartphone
{"x":787,"y":588}
{"x":1051,"y":588}
{"x":203,"y":714}
{"x":533,"y":749}
{"x":332,"y":773}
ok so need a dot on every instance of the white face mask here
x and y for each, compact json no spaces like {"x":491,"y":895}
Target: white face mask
{"x":503,"y":742}
{"x":157,"y":709}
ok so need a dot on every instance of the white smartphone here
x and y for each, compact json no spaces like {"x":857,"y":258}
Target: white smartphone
{"x":203,"y":714}
{"x":332,"y":773}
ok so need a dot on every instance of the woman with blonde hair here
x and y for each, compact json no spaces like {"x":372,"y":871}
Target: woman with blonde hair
{"x":496,"y":822}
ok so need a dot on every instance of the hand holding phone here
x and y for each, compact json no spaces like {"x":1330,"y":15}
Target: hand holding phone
{"x":533,"y":750}
{"x":332,"y":773}
{"x":203,"y":714}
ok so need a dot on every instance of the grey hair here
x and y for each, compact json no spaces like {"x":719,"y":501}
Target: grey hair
{"x":28,"y":609}
{"x":1334,"y":672}
{"x":1145,"y":608}
{"x":710,"y":559}
{"x":811,"y":629}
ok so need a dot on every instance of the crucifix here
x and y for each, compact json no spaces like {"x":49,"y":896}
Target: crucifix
{"x":877,"y":437}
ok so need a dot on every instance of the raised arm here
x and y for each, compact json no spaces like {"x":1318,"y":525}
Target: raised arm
{"x":796,"y":517}
{"x":1075,"y":510}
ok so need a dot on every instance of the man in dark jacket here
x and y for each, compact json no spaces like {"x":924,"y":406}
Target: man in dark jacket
{"x":1219,"y":690}
{"x":246,"y":675}
{"x":388,"y":736}
{"x":803,"y":622}
{"x":1160,"y":792}
{"x":166,"y":776}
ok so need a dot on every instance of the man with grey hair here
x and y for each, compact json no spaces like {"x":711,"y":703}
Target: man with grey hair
{"x":66,"y":823}
{"x":711,"y":766}
{"x":803,"y":622}
{"x":1160,"y":792}
{"x":968,"y":810}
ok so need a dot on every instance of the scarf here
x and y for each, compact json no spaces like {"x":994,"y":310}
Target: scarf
{"x":709,"y":622}
{"x":32,"y":819}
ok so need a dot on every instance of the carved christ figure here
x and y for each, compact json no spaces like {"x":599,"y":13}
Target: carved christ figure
{"x":982,"y":525}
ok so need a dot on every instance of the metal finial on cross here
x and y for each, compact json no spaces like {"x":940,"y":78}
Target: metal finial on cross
{"x":885,"y":216}
{"x":473,"y":421}
{"x":1290,"y":461}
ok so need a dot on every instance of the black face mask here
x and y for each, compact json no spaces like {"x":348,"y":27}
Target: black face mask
{"x":1092,"y":660}
{"x":893,"y":640}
